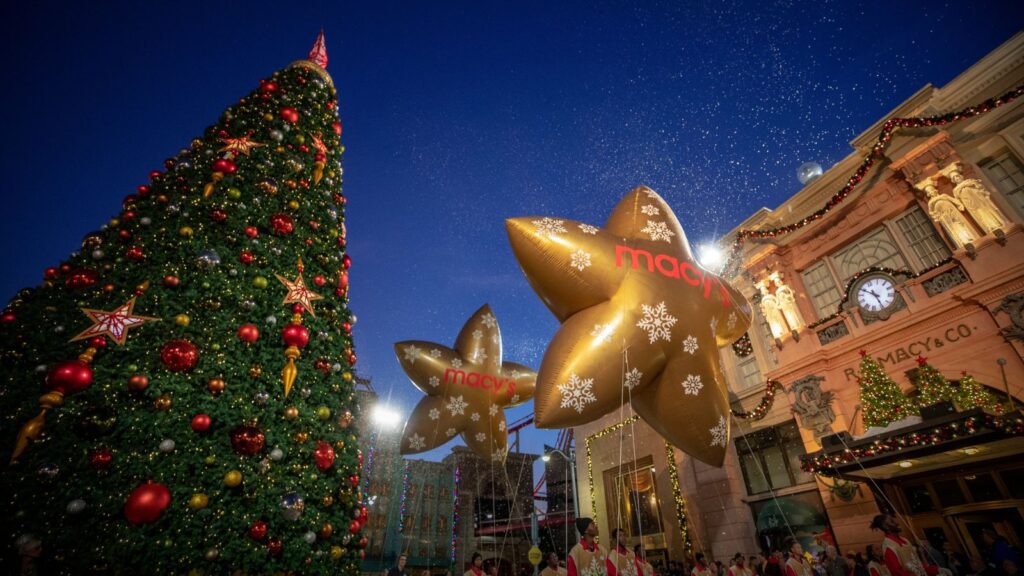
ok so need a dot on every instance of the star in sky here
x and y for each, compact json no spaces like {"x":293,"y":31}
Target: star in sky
{"x":113,"y":324}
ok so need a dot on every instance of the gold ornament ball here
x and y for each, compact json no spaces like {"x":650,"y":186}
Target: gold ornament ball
{"x":323,"y":413}
{"x":198,"y":501}
{"x":185,"y":231}
{"x":210,"y":460}
{"x":291,"y":413}
{"x":182,"y":319}
{"x":293,"y":204}
{"x":234,"y":193}
{"x":346,"y":376}
{"x":259,"y":282}
{"x":340,"y":444}
{"x":268,"y":117}
{"x":328,"y":501}
{"x":215,"y":385}
{"x":163,"y":402}
{"x":255,"y":371}
{"x":114,"y":222}
{"x":300,"y":139}
{"x":301,"y":437}
{"x":327,"y":529}
{"x":233,"y":479}
{"x":337,"y":552}
{"x":212,"y":554}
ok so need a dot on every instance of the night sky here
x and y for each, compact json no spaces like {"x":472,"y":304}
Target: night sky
{"x":458,"y":115}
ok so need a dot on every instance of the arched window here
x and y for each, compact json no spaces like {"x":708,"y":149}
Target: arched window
{"x":875,"y":249}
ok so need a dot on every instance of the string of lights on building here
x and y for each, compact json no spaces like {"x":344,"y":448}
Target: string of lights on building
{"x":455,"y":511}
{"x":405,"y":492}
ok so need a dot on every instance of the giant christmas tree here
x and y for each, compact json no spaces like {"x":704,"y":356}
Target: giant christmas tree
{"x":178,"y":394}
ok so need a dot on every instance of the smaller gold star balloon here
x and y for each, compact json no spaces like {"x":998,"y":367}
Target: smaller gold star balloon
{"x":467,"y":389}
{"x":641,"y":323}
{"x":113,"y":324}
{"x":298,"y":293}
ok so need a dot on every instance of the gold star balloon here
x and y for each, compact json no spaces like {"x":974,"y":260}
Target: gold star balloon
{"x":113,"y":324}
{"x":641,"y":323}
{"x":467,"y":389}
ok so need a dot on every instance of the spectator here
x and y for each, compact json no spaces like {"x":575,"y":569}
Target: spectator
{"x":399,"y":569}
{"x":876,"y":564}
{"x":476,"y":564}
{"x":699,"y":567}
{"x":834,"y":564}
{"x":773,"y":563}
{"x":796,"y":564}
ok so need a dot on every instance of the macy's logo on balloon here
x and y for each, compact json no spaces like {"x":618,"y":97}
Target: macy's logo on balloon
{"x":476,"y":380}
{"x":669,"y":266}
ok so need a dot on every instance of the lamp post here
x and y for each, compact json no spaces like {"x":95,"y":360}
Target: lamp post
{"x":572,"y":467}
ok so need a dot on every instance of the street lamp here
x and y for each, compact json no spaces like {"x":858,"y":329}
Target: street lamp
{"x":572,"y":467}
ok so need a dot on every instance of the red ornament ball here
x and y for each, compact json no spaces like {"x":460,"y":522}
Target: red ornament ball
{"x":295,"y":335}
{"x":275,"y":546}
{"x":337,"y":128}
{"x":219,"y":215}
{"x":81,"y":278}
{"x":98,"y":342}
{"x":346,"y":261}
{"x":353,"y":480}
{"x":246,"y":257}
{"x":289,"y":114}
{"x":353,"y":527}
{"x":343,"y":280}
{"x":251,"y":231}
{"x":247,"y":440}
{"x":154,"y":174}
{"x":258,"y":530}
{"x":201,"y":422}
{"x":7,"y":317}
{"x":147,"y":503}
{"x":224,"y":166}
{"x":171,"y":281}
{"x":69,"y":377}
{"x":268,"y":86}
{"x":138,"y":383}
{"x":100,"y":458}
{"x":51,"y":273}
{"x":248,"y":333}
{"x":282,"y":224}
{"x":179,"y":355}
{"x":143,"y":189}
{"x":319,"y":280}
{"x":323,"y":455}
{"x":135,"y":254}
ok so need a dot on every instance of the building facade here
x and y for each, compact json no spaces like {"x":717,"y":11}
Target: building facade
{"x":924,"y":259}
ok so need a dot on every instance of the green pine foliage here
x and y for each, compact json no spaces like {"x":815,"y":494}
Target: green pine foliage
{"x":932,"y":386}
{"x":974,"y":394}
{"x":881,"y":398}
{"x":204,"y":266}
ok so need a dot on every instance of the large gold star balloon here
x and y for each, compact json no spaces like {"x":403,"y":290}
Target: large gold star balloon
{"x":641,"y":323}
{"x":467,"y":389}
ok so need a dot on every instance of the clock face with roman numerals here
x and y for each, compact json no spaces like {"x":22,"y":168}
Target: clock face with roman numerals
{"x":876,"y":294}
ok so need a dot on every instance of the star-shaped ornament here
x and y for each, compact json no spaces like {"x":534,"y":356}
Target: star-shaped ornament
{"x":113,"y":324}
{"x":641,"y":323}
{"x":467,"y":388}
{"x":298,"y":293}
{"x":318,"y":144}
{"x":241,"y":145}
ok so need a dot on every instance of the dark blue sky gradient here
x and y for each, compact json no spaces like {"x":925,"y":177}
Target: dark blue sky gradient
{"x":459,"y":114}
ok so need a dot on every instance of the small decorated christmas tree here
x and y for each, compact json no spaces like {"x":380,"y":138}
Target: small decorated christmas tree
{"x":881,"y":398}
{"x":932,"y":386}
{"x":974,"y":394}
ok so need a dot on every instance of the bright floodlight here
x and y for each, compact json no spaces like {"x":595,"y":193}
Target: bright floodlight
{"x":386,"y":417}
{"x":546,"y":457}
{"x":710,"y":256}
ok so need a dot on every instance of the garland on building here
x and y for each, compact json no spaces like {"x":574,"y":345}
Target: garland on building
{"x":762,"y":408}
{"x":874,"y":155}
{"x":881,"y":398}
{"x":1010,"y":425}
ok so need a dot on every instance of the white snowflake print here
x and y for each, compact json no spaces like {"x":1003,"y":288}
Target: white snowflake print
{"x":434,"y":414}
{"x":435,"y":353}
{"x":731,"y":322}
{"x":450,"y":432}
{"x":489,"y":320}
{"x":480,"y":355}
{"x":475,"y":416}
{"x":651,"y":193}
{"x":515,"y":374}
{"x":435,"y":381}
{"x":690,"y":344}
{"x":417,"y":442}
{"x":650,"y":210}
{"x":602,"y":333}
{"x":588,"y":229}
{"x":478,"y":334}
{"x":549,"y":227}
{"x":456,"y":405}
{"x":514,"y":399}
{"x":496,"y":456}
{"x":657,"y":322}
{"x":718,"y":433}
{"x":501,"y":426}
{"x":658,"y":231}
{"x":580,"y":260}
{"x":493,"y":409}
{"x":633,"y":378}
{"x":456,"y":363}
{"x":577,"y":392}
{"x":494,"y":339}
{"x":692,"y":385}
{"x":411,"y":353}
{"x":480,"y":436}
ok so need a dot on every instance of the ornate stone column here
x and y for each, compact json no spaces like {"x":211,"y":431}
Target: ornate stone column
{"x":946,"y":210}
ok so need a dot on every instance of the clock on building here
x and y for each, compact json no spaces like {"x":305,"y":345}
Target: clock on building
{"x":875,"y":295}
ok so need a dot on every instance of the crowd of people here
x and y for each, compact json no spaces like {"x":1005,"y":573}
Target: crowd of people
{"x":893,"y":556}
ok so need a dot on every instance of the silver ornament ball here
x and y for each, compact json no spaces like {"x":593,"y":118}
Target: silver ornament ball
{"x":309,"y":537}
{"x":207,"y":259}
{"x":276,"y":454}
{"x":292,"y":506}
{"x":167,"y":445}
{"x":76,"y":506}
